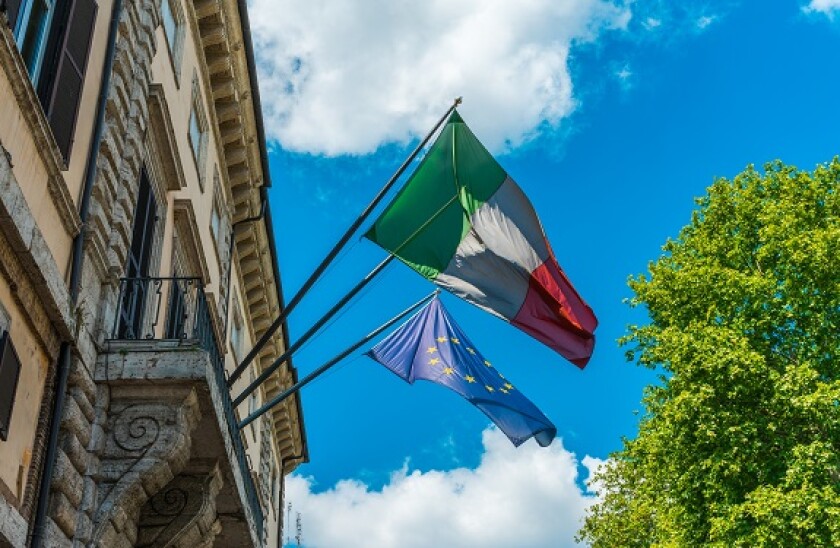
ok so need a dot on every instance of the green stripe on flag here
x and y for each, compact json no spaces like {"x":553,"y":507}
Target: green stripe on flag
{"x":479,"y":174}
{"x":425,"y":222}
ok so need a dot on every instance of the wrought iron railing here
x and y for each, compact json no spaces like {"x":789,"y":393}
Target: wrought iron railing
{"x":176,"y":308}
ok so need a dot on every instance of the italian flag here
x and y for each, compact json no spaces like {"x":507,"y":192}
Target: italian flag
{"x":464,"y":224}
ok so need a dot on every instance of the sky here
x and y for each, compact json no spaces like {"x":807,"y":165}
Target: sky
{"x":612,"y":116}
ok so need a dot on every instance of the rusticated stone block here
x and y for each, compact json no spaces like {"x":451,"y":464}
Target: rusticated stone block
{"x":81,"y":378}
{"x":54,"y":537}
{"x":84,"y":403}
{"x":72,"y":447}
{"x":84,"y":529}
{"x":63,"y":512}
{"x":75,"y":421}
{"x":67,"y":480}
{"x":12,"y":524}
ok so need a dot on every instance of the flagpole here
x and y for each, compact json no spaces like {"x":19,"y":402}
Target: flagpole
{"x":312,"y":330}
{"x":312,"y":376}
{"x":316,"y":274}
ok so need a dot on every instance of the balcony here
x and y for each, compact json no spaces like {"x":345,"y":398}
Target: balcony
{"x":173,"y":458}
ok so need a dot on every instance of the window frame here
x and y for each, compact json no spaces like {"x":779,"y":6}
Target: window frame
{"x":174,"y":50}
{"x":199,"y":149}
{"x":23,"y":29}
{"x":237,"y":326}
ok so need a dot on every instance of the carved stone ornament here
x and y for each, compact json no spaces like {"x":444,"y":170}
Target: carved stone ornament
{"x":147,"y":444}
{"x":183,"y":513}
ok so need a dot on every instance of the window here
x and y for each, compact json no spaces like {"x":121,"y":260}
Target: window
{"x":215,"y":220}
{"x":274,"y":486}
{"x":236,"y":335}
{"x":132,"y":308}
{"x":198,"y":133}
{"x":54,"y":38}
{"x":31,"y":33}
{"x":173,"y":29}
{"x":9,"y":373}
{"x":252,"y":406}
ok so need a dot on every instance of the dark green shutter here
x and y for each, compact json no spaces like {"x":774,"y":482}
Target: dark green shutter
{"x":63,"y":72}
{"x":9,"y":373}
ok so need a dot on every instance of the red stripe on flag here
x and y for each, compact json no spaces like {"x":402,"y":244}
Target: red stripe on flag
{"x":554,"y":314}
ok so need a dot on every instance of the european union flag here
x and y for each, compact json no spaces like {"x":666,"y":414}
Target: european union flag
{"x":431,"y":346}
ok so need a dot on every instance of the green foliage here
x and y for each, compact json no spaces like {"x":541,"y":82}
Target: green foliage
{"x":740,"y":443}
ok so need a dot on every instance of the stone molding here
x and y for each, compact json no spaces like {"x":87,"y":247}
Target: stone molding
{"x":164,"y":141}
{"x":29,"y":266}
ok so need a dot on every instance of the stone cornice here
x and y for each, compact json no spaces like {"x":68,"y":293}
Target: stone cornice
{"x":216,"y":28}
{"x":12,"y":64}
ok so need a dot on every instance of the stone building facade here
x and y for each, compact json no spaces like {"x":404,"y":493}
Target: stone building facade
{"x":137,"y":267}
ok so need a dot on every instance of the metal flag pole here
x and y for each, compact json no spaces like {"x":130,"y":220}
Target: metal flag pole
{"x":316,"y":274}
{"x":310,"y":377}
{"x":312,"y":330}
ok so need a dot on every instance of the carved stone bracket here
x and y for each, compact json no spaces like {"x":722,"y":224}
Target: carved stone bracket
{"x":147,"y":443}
{"x":183,"y":513}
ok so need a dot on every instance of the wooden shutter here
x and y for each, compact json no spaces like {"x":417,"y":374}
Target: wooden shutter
{"x":9,"y":373}
{"x":62,"y":78}
{"x":145,"y":216}
{"x":12,"y":9}
{"x":135,"y":290}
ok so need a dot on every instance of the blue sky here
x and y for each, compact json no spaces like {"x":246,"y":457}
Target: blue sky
{"x":612,"y":117}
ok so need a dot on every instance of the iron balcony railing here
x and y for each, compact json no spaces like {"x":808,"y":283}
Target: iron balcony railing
{"x":176,"y":309}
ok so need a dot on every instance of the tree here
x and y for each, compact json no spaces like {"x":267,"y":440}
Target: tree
{"x":739,"y":444}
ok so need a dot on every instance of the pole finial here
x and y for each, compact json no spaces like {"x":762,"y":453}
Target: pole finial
{"x":459,"y":100}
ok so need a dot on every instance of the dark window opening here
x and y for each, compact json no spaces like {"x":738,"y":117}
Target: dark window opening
{"x":9,"y":373}
{"x":136,"y":287}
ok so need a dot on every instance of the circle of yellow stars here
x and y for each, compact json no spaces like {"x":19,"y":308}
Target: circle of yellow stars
{"x":505,"y":388}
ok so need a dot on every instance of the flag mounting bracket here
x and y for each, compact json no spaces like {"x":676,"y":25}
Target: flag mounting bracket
{"x":321,"y":370}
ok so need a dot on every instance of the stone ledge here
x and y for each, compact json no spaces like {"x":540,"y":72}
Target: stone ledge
{"x":18,"y":224}
{"x":151,"y":361}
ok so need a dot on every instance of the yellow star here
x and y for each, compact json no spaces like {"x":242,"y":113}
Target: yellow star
{"x":488,"y":364}
{"x":448,"y":370}
{"x":431,"y":350}
{"x":455,"y":341}
{"x":434,"y":361}
{"x":504,"y":390}
{"x":469,"y":379}
{"x":471,"y":351}
{"x":500,"y":374}
{"x":508,"y":386}
{"x":489,"y":388}
{"x":442,"y":339}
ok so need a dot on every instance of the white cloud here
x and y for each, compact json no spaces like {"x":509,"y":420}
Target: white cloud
{"x":705,"y":20}
{"x":624,"y":73}
{"x":347,"y":77}
{"x":828,"y":7}
{"x":651,"y":23}
{"x":515,"y":497}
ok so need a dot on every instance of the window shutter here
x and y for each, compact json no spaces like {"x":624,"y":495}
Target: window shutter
{"x":9,"y":372}
{"x":12,"y":9}
{"x":62,"y":89}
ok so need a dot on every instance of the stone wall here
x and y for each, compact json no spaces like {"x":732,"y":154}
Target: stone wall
{"x":78,"y":504}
